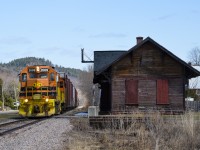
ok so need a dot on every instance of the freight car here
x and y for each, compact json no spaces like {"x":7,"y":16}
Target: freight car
{"x":45,"y":92}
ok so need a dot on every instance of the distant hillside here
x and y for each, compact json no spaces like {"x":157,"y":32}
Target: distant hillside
{"x":15,"y":66}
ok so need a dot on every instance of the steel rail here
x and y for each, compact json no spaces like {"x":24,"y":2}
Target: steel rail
{"x":15,"y":128}
{"x":2,"y":124}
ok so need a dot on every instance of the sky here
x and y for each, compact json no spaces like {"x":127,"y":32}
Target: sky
{"x":57,"y":29}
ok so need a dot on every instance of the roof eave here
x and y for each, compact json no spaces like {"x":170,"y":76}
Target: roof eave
{"x":196,"y":72}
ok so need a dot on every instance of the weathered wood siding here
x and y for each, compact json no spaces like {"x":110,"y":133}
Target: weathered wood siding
{"x":176,"y":93}
{"x":147,"y":92}
{"x":118,"y":94}
{"x":148,"y":60}
{"x":147,"y":65}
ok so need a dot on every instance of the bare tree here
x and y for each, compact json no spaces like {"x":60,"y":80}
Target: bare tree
{"x":86,"y":84}
{"x":4,"y":86}
{"x":8,"y":86}
{"x":194,"y":56}
{"x":14,"y":90}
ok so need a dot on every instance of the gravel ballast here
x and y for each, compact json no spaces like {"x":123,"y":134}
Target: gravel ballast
{"x":46,"y":135}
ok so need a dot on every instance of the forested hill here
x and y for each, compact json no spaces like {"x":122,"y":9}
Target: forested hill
{"x":15,"y":66}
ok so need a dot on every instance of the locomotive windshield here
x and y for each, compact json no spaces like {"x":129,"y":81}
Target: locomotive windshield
{"x":38,"y":75}
{"x":24,"y":77}
{"x":52,"y":78}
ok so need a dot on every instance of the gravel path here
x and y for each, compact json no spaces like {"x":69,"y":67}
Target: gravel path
{"x":46,"y":135}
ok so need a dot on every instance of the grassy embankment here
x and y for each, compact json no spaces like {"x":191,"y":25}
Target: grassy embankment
{"x":154,"y":131}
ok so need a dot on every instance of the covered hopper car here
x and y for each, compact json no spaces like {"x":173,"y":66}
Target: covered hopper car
{"x":45,"y":92}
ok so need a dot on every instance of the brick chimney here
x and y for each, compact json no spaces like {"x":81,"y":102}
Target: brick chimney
{"x":139,"y":39}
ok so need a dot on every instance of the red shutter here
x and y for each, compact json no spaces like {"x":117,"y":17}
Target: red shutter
{"x":131,"y":96}
{"x":162,"y":92}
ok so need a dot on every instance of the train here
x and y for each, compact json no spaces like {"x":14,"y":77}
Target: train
{"x":45,"y":92}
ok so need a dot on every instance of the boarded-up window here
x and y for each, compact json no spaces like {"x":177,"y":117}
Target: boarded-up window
{"x":131,"y":96}
{"x":162,"y":92}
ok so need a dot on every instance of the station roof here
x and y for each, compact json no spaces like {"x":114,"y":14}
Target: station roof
{"x":105,"y":58}
{"x":191,"y":72}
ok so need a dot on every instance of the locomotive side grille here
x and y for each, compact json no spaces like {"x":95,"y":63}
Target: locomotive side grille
{"x":22,"y":94}
{"x":44,"y":91}
{"x":44,"y":88}
{"x":23,"y":89}
{"x":52,"y":93}
{"x":29,"y":94}
{"x":53,"y":88}
{"x":31,"y":88}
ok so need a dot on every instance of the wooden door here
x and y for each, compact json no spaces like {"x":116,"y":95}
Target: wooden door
{"x":162,"y":92}
{"x":131,"y":96}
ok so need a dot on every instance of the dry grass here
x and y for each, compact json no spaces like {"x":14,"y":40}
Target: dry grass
{"x":154,"y":132}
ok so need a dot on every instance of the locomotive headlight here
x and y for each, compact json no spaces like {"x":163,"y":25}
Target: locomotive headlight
{"x":46,"y":99}
{"x":37,"y":69}
{"x":26,"y":100}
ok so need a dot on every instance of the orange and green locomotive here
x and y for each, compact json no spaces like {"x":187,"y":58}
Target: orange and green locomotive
{"x":45,"y":92}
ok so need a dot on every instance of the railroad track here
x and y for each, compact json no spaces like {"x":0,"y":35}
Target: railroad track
{"x":9,"y":127}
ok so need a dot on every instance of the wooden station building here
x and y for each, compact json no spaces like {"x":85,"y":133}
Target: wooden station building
{"x":147,"y":76}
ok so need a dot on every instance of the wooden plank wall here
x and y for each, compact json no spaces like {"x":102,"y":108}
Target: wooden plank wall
{"x":118,"y":94}
{"x":147,"y":61}
{"x":147,"y":94}
{"x":147,"y":64}
{"x":176,"y":93}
